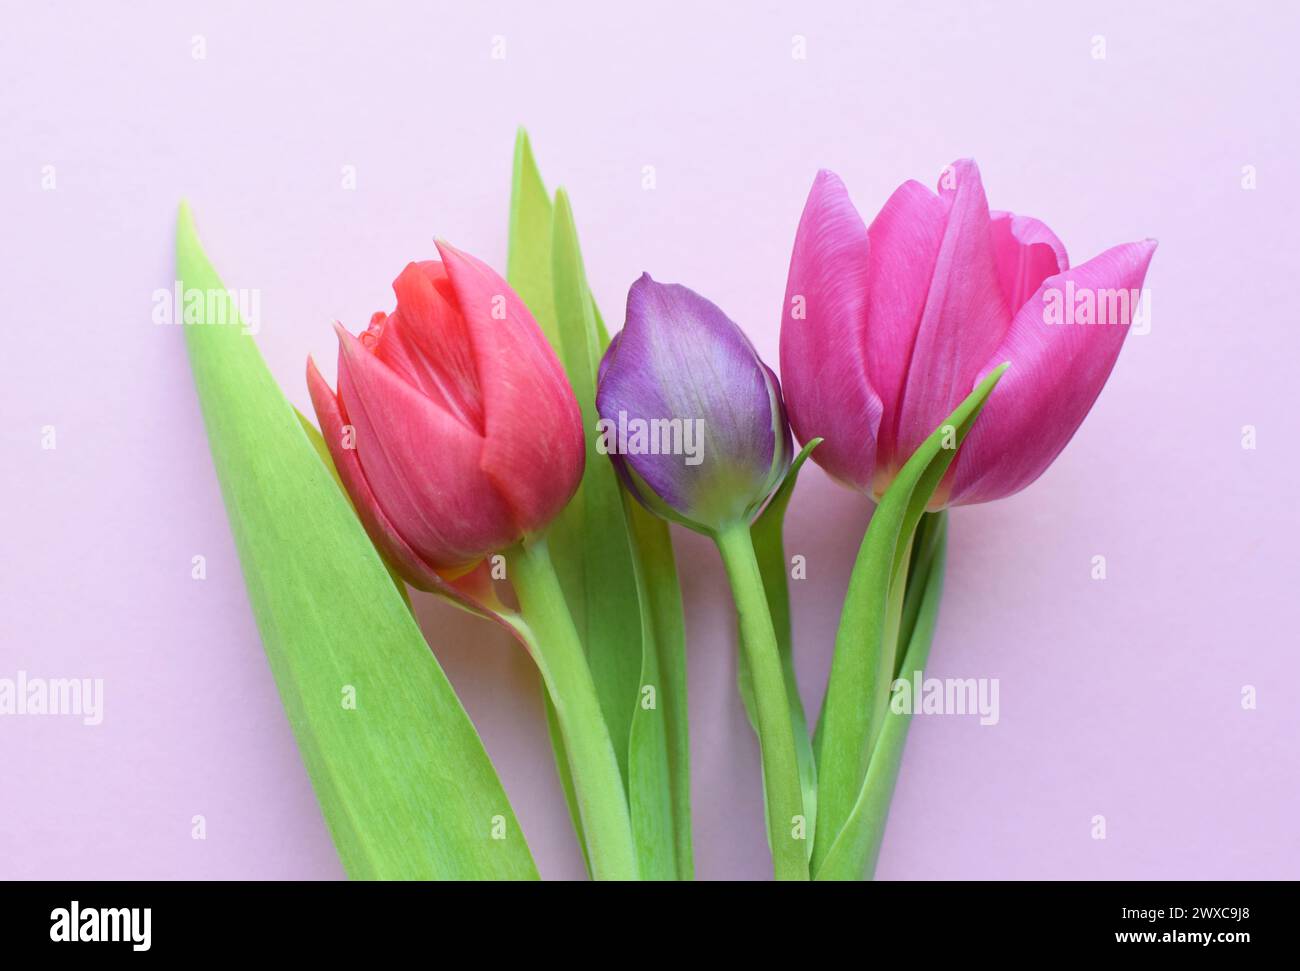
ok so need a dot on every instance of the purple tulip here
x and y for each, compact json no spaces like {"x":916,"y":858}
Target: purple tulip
{"x":696,"y":427}
{"x":690,"y":415}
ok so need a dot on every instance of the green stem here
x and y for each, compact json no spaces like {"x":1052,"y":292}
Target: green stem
{"x":786,"y":823}
{"x":597,"y":782}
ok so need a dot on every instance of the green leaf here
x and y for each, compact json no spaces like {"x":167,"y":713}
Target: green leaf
{"x":659,"y":757}
{"x":591,"y":538}
{"x":857,"y":847}
{"x":925,"y":547}
{"x":866,"y":642}
{"x":769,"y":548}
{"x":402,"y":778}
{"x":528,"y":256}
{"x":614,"y":561}
{"x":565,"y":773}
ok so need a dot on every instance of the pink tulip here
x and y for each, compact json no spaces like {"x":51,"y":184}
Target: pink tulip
{"x":454,"y":429}
{"x":887,"y":328}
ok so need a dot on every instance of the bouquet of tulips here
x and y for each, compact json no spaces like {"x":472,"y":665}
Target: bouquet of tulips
{"x":488,"y":442}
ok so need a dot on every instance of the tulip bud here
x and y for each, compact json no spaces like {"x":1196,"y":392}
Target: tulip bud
{"x":691,"y":417}
{"x":454,"y":429}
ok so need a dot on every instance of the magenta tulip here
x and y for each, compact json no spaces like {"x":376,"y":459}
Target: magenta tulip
{"x":887,"y":327}
{"x":454,"y":429}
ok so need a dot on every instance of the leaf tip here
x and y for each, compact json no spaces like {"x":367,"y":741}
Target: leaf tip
{"x":564,"y":223}
{"x":188,"y":246}
{"x":525,"y":163}
{"x":990,"y":380}
{"x":184,"y":219}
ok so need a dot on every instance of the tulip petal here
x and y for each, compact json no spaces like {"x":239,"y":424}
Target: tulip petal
{"x":332,"y":421}
{"x":426,"y":341}
{"x":965,"y":314}
{"x":1028,"y":252}
{"x":823,"y":347}
{"x":422,"y":464}
{"x":680,"y":357}
{"x":531,"y":418}
{"x":783,"y":440}
{"x":473,"y":590}
{"x":1057,"y":371}
{"x":904,"y":245}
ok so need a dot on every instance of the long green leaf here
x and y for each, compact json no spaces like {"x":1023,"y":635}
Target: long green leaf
{"x":565,"y":773}
{"x":401,"y":776}
{"x":866,"y":641}
{"x":855,"y":850}
{"x":659,"y":755}
{"x":591,"y":540}
{"x":529,"y":272}
{"x":767,"y":533}
{"x":617,"y":571}
{"x":528,"y":258}
{"x":925,"y":548}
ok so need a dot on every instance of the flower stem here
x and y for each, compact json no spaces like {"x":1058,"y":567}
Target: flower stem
{"x":557,"y":649}
{"x":785,"y":819}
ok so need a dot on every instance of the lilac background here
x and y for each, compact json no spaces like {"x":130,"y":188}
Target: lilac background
{"x":1119,"y":697}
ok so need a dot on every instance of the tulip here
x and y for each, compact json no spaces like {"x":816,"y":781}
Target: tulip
{"x":454,"y":428}
{"x":456,"y":434}
{"x":885,"y":330}
{"x":694,"y":422}
{"x":691,"y":417}
{"x":887,"y":327}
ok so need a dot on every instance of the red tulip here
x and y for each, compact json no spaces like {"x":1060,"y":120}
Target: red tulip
{"x":454,"y":429}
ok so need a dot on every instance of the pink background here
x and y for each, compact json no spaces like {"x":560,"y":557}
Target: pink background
{"x":1119,"y":698}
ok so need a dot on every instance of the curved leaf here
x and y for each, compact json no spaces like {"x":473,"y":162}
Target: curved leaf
{"x":401,"y":776}
{"x":854,"y":852}
{"x":866,"y":641}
